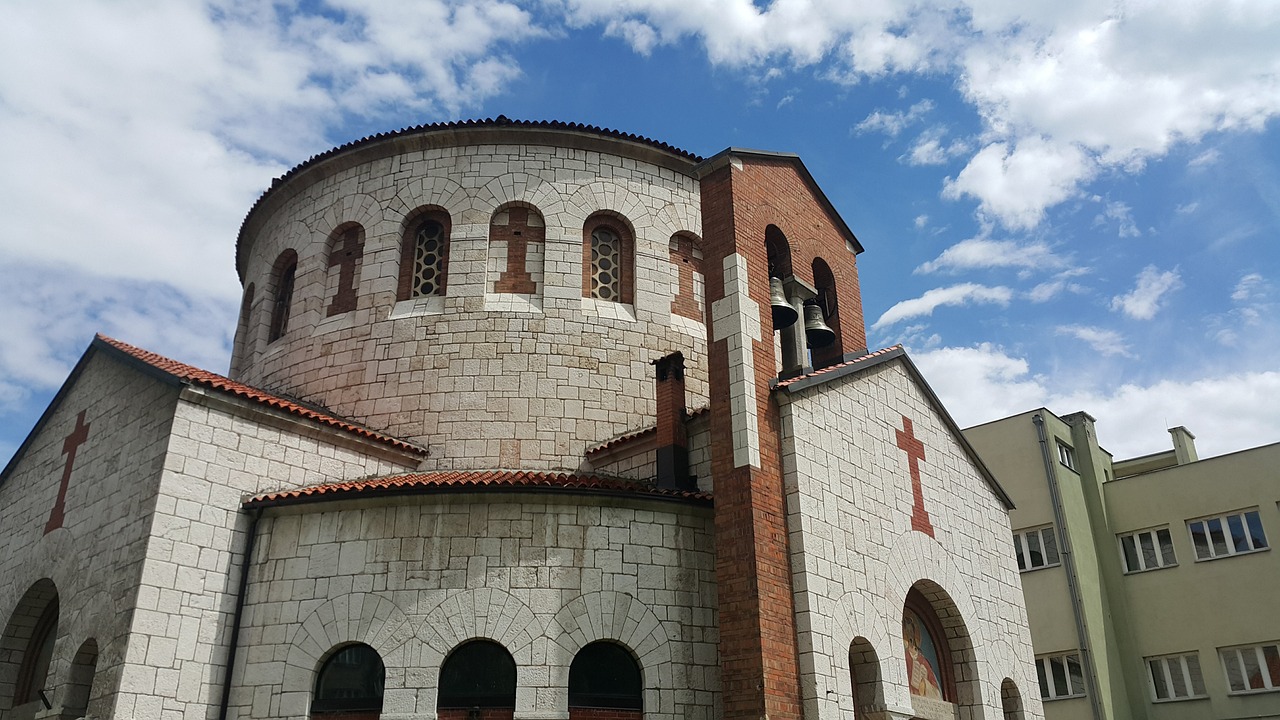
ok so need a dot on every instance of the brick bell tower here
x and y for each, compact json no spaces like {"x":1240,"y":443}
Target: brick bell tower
{"x":766,"y":224}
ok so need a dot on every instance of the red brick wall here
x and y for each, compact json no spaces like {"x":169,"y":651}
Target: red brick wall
{"x":758,"y":649}
{"x":604,"y":714}
{"x":517,"y":234}
{"x":485,"y":714}
{"x":686,"y":263}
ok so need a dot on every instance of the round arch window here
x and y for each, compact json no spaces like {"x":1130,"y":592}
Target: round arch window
{"x":351,"y":680}
{"x":479,"y":673}
{"x":604,"y":675}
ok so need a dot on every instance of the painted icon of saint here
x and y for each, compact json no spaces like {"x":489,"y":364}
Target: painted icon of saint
{"x":922,"y":657}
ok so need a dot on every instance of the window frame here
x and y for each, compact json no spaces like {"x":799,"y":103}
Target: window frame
{"x":1224,"y":527}
{"x":1067,"y":456}
{"x":1022,"y":548}
{"x":321,"y":706}
{"x":1168,"y":663}
{"x":1044,"y":673}
{"x":284,"y":282}
{"x":621,"y":229}
{"x":1270,"y":684}
{"x":413,"y":223}
{"x":1154,"y":534}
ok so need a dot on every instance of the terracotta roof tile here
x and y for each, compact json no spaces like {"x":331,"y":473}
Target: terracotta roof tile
{"x":638,"y":433}
{"x":838,"y":366}
{"x":464,"y":480}
{"x":195,"y":376}
{"x":502,"y":121}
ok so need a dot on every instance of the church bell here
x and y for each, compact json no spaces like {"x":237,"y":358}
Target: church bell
{"x":816,"y":331}
{"x":784,"y":315}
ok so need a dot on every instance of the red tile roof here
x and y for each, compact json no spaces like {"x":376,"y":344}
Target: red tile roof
{"x":195,"y":376}
{"x":631,"y":435}
{"x":838,"y":366}
{"x":468,"y":480}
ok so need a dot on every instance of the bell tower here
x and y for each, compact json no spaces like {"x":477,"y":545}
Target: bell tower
{"x":765,"y":226}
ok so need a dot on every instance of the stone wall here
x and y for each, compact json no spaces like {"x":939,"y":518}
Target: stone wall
{"x":857,"y":551}
{"x":486,"y":379}
{"x":95,"y":558}
{"x":541,"y":575}
{"x":221,"y":449}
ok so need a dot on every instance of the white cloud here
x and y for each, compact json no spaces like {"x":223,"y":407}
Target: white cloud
{"x":1015,"y":184}
{"x":983,"y":253}
{"x":921,"y":221}
{"x":1250,"y":287}
{"x":1063,"y":89}
{"x":1060,"y":283}
{"x":1205,"y":159}
{"x":1122,"y":215}
{"x":893,"y":123}
{"x":1187,"y":208}
{"x":1148,"y":296}
{"x":954,"y":295}
{"x":929,"y":149}
{"x":1103,"y":342}
{"x":1227,"y":412}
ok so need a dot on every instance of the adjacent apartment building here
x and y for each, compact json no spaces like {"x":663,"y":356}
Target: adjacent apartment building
{"x":1150,"y":582}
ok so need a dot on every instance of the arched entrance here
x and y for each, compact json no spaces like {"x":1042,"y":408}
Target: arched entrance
{"x":26,"y":647}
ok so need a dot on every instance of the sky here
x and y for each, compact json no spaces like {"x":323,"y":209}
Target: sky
{"x":1068,"y":205}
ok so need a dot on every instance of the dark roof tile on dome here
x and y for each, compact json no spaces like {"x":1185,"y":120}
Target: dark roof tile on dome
{"x":190,"y":374}
{"x":502,"y":121}
{"x":471,"y":480}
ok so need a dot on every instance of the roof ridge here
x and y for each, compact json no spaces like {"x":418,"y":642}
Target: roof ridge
{"x":205,"y":378}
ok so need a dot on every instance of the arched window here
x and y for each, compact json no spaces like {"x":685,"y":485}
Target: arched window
{"x":243,"y":344}
{"x":1010,"y":700}
{"x":864,"y":677}
{"x":478,"y":673}
{"x":424,"y":254}
{"x":927,"y":653}
{"x":350,"y":682}
{"x":283,"y":275}
{"x":607,"y":262}
{"x":604,"y":675}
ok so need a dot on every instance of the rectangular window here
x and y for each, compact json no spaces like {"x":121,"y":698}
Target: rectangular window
{"x":1036,"y":548}
{"x":1060,"y":676}
{"x":1252,"y":669}
{"x":1066,"y":455}
{"x":1147,"y":550}
{"x":1175,"y":677}
{"x":1232,"y":534}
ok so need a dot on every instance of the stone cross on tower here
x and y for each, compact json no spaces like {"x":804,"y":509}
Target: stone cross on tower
{"x":908,"y":441}
{"x":70,"y":445}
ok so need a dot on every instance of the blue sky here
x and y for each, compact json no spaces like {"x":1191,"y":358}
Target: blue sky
{"x":1074,"y":206}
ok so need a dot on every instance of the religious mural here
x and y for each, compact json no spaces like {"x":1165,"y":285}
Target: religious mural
{"x":923,"y":670}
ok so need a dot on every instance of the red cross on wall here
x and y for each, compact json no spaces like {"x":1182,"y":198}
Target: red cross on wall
{"x":70,"y":445}
{"x":908,"y":441}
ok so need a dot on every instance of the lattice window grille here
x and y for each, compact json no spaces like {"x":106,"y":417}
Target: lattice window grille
{"x":606,"y":269}
{"x":428,"y":261}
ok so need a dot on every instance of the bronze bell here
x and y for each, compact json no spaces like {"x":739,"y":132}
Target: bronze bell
{"x":816,"y":331}
{"x":784,"y":315}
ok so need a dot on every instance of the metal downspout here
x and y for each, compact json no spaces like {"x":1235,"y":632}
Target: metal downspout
{"x":1069,"y":564}
{"x":239,"y":611}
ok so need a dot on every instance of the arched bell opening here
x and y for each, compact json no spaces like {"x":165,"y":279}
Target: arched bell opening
{"x":822,"y":324}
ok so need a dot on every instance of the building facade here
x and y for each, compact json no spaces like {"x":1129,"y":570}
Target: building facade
{"x":523,"y":420}
{"x":1148,"y":580}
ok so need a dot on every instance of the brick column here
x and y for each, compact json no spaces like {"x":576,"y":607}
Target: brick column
{"x":758,"y":651}
{"x":672,"y":441}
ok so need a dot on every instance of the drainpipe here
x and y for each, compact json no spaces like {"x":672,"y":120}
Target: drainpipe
{"x":239,"y":612}
{"x":1069,"y":564}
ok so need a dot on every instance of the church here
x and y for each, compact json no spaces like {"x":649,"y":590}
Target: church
{"x":524,"y":420}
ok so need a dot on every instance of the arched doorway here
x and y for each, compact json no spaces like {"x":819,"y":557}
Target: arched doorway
{"x":940,"y":663}
{"x":26,"y":647}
